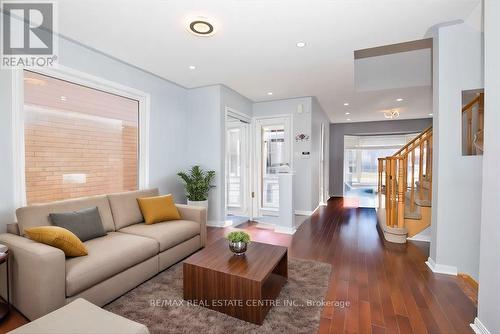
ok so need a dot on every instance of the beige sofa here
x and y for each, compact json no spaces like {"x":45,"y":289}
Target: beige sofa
{"x":43,"y":279}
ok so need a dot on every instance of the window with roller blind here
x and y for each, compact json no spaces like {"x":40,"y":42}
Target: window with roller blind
{"x":78,"y":141}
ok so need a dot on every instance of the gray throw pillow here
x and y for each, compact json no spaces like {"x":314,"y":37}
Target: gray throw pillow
{"x":86,"y":224}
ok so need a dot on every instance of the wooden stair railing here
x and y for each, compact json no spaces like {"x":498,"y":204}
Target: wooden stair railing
{"x":474,"y":137}
{"x":398,"y":174}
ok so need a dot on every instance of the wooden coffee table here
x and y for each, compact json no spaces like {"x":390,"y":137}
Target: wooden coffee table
{"x":244,"y":286}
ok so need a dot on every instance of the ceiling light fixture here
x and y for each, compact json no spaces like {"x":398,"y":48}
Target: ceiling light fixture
{"x":346,"y":104}
{"x":192,"y":67}
{"x":347,"y":113}
{"x":431,"y":114}
{"x":201,"y":27}
{"x":301,"y":44}
{"x":63,"y":98}
{"x":348,"y":119}
{"x":391,"y":114}
{"x":399,"y":100}
{"x":269,"y":93}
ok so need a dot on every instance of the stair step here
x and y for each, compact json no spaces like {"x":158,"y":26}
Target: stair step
{"x":412,"y":214}
{"x":421,"y":202}
{"x":425,"y":184}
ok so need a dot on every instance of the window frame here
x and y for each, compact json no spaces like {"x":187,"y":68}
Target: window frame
{"x":87,"y":80}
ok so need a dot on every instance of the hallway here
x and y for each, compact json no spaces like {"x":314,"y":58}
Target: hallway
{"x":389,"y":286}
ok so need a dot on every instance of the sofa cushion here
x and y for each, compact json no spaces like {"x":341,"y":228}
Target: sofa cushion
{"x":86,"y":224}
{"x":168,"y":234}
{"x":81,"y":316}
{"x":107,"y":256}
{"x":38,"y":214}
{"x":125,"y":208}
{"x":58,"y":237}
{"x":158,"y":209}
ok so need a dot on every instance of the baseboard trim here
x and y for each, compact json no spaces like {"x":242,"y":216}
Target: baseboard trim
{"x":416,"y":237}
{"x":478,"y":327}
{"x":303,"y":212}
{"x":441,"y":268}
{"x":217,"y":223}
{"x":284,"y":230}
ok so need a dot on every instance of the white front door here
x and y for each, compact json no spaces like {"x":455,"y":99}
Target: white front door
{"x":273,"y":154}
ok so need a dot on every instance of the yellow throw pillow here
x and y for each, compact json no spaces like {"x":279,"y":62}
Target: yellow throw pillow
{"x":58,"y":237}
{"x":158,"y":209}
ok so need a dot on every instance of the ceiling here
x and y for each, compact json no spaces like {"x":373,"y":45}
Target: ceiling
{"x":254,"y":48}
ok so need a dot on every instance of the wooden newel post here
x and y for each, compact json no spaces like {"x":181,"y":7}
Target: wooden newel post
{"x":401,"y":193}
{"x":394,"y":190}
{"x":412,"y":189}
{"x":420,"y":170}
{"x":388,"y":191}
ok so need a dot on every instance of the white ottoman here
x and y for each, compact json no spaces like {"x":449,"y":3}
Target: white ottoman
{"x":81,"y":317}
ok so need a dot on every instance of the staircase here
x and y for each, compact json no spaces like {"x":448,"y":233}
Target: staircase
{"x":474,"y":129}
{"x":405,"y":189}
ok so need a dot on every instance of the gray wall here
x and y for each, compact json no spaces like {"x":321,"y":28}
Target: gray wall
{"x":339,"y":130}
{"x":456,"y":193}
{"x":167,"y":129}
{"x":489,"y":272}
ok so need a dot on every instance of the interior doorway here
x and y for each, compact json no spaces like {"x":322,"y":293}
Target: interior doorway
{"x":361,"y":155}
{"x":237,"y":168}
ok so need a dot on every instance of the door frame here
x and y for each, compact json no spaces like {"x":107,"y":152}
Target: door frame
{"x":233,"y":113}
{"x":287,"y":119}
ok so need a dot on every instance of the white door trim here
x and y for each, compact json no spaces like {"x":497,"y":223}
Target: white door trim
{"x":231,"y":112}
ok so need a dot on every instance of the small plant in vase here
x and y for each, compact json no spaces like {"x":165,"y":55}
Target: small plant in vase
{"x":198,"y":184}
{"x":238,"y":242}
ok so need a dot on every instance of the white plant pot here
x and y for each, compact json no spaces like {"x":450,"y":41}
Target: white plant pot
{"x":199,"y":203}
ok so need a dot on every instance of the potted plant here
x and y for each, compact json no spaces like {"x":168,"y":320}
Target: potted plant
{"x":198,"y":184}
{"x":238,"y":242}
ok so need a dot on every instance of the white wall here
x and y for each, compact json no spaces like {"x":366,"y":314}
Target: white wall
{"x":456,"y":206}
{"x":204,"y":137}
{"x":167,"y":128}
{"x":489,"y":268}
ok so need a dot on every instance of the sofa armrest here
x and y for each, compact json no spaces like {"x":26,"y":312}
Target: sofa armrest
{"x":37,"y":275}
{"x":197,"y":214}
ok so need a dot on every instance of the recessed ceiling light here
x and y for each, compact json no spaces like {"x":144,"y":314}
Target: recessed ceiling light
{"x":348,"y":119}
{"x":399,"y":100}
{"x":63,"y":98}
{"x":192,"y":67}
{"x":301,"y":44}
{"x":347,"y":113}
{"x":269,"y":93}
{"x":431,"y":114}
{"x":346,"y":104}
{"x":201,"y":27}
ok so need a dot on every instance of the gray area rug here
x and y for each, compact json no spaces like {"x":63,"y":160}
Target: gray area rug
{"x":158,"y":304}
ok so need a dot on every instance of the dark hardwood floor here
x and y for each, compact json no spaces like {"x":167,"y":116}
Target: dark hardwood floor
{"x":388,"y":286}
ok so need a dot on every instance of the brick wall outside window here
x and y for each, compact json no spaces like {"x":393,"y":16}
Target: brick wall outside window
{"x":78,"y":141}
